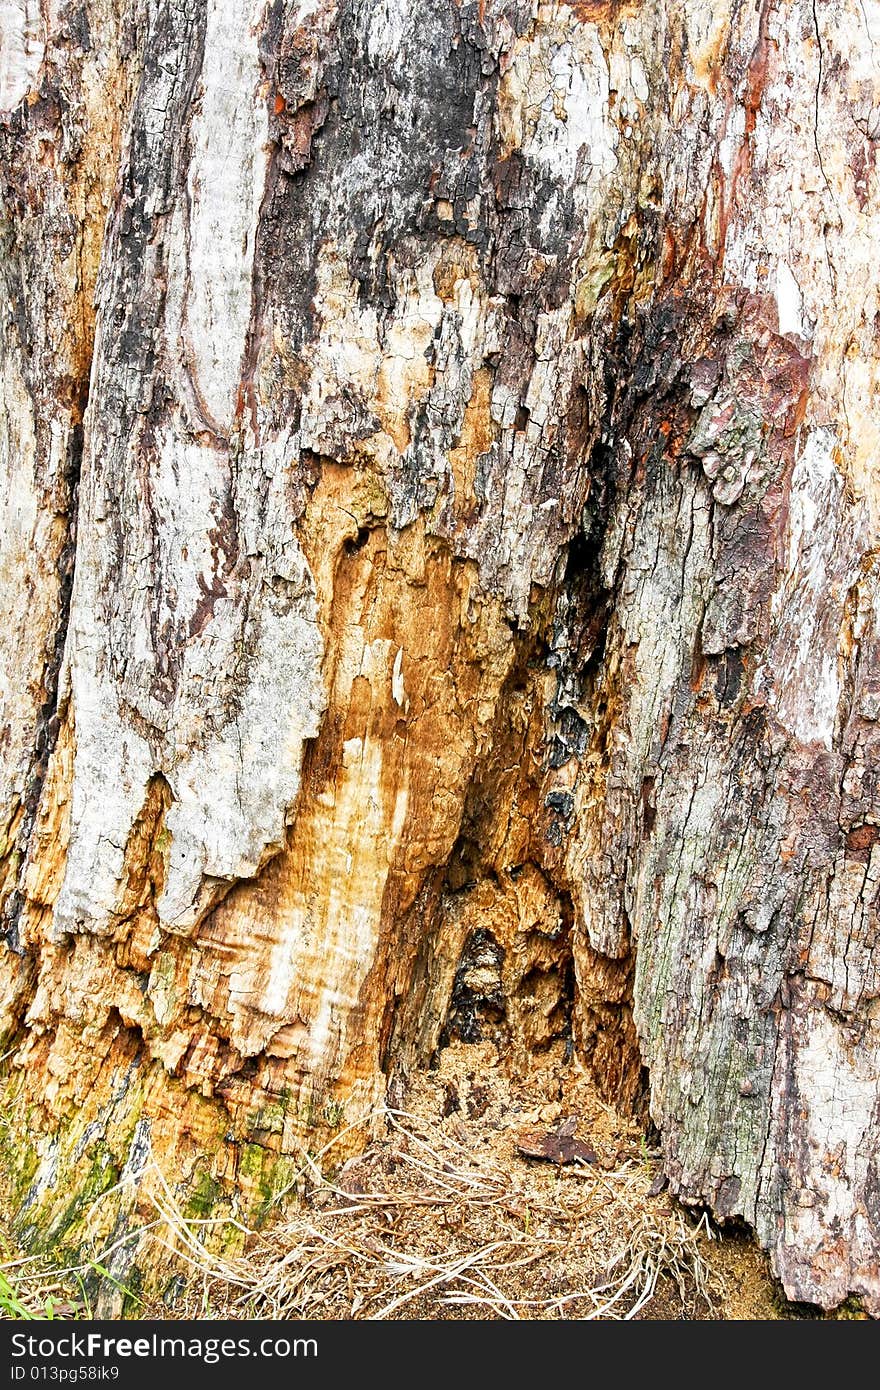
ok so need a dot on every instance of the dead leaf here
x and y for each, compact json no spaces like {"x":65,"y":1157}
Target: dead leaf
{"x":555,"y":1146}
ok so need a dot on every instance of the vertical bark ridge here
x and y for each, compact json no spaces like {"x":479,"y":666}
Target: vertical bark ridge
{"x":61,"y":128}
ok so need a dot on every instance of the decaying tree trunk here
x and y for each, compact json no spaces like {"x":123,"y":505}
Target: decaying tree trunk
{"x":438,"y":565}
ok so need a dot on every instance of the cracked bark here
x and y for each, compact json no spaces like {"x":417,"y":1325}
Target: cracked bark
{"x":474,"y":628}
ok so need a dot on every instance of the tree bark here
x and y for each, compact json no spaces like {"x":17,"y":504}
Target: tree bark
{"x":438,"y":539}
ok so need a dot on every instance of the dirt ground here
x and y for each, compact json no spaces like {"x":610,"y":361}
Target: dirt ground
{"x":487,"y":1195}
{"x":708,"y":1274}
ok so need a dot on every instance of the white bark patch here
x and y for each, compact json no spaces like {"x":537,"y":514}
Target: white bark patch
{"x":350,"y":360}
{"x":18,"y":529}
{"x":729,"y":147}
{"x":560,"y":104}
{"x":195,"y":649}
{"x":252,"y":767}
{"x":398,"y":690}
{"x":801,"y":677}
{"x":837,"y":1092}
{"x":388,"y":21}
{"x":21,"y":50}
{"x":111,"y":773}
{"x":230,"y":742}
{"x":229,"y":152}
{"x":306,"y":9}
{"x":789,"y":301}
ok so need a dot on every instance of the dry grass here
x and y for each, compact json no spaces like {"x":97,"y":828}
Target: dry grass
{"x":421,"y":1227}
{"x":439,"y":1233}
{"x":440,"y":1218}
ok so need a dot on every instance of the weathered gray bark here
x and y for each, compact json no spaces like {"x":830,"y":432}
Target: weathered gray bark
{"x":474,"y":622}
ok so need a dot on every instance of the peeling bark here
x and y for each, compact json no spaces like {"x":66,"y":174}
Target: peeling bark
{"x":466,"y":448}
